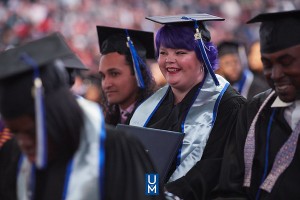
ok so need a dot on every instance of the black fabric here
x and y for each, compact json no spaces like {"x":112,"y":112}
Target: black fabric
{"x":203,"y":177}
{"x":125,"y":169}
{"x":113,"y":39}
{"x":9,"y":156}
{"x":184,"y":19}
{"x":231,"y":179}
{"x":42,"y":51}
{"x":278,"y":30}
{"x":259,"y":84}
{"x":126,"y":164}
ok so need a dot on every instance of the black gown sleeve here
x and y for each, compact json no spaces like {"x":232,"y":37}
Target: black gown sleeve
{"x":203,"y":177}
{"x":230,"y":186}
{"x":126,"y":164}
{"x":9,"y":156}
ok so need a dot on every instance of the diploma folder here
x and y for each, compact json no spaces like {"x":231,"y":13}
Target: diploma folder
{"x":161,"y":145}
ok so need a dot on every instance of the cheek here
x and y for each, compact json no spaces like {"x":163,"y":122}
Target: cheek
{"x":296,"y":81}
{"x":161,"y":62}
{"x":128,"y":84}
{"x":267,"y":74}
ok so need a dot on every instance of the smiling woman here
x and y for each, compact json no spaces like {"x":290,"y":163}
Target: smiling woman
{"x":196,"y":102}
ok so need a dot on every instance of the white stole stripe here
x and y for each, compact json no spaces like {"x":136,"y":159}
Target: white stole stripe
{"x":23,"y":179}
{"x":84,"y":178}
{"x":247,"y":84}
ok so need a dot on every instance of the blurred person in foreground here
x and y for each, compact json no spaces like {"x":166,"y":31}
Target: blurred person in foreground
{"x":262,"y":160}
{"x":233,"y":66}
{"x":195,"y":102}
{"x":67,"y":152}
{"x":126,"y":80}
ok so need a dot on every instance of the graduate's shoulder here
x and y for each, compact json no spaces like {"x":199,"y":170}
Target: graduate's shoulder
{"x":231,"y":99}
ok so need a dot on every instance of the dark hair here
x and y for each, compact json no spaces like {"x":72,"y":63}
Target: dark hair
{"x":118,"y":44}
{"x":63,"y":113}
{"x":182,"y":37}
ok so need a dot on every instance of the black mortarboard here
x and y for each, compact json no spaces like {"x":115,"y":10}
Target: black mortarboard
{"x":187,"y":19}
{"x":113,"y":39}
{"x":28,"y":74}
{"x":201,"y":32}
{"x":228,"y":47}
{"x":278,"y":30}
{"x":42,"y":51}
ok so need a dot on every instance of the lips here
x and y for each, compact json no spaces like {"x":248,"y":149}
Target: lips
{"x":172,"y":69}
{"x":109,"y":92}
{"x":281,"y":87}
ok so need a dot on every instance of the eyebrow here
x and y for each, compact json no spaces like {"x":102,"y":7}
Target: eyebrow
{"x":284,"y":56}
{"x":277,"y":59}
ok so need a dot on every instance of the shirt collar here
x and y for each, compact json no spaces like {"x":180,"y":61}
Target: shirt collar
{"x":129,"y":109}
{"x":278,"y":103}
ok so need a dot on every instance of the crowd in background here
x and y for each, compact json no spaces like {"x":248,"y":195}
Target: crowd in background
{"x":25,"y":20}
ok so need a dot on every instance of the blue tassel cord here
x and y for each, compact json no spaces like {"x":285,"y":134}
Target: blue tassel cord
{"x":137,"y":62}
{"x":201,"y":46}
{"x":41,"y":136}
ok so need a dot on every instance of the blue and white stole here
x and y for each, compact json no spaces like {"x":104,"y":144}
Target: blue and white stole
{"x":85,"y":172}
{"x":244,"y":84}
{"x":197,"y":124}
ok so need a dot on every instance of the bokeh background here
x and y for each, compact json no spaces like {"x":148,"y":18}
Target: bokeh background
{"x":25,"y":20}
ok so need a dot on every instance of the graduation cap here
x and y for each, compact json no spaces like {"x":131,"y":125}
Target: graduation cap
{"x":202,"y":33}
{"x":42,"y":51}
{"x":20,"y":78}
{"x":138,"y":44}
{"x":278,"y":30}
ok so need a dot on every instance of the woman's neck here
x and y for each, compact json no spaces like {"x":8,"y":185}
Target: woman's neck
{"x":180,"y":94}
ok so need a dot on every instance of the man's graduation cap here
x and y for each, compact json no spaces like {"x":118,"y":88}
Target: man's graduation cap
{"x":202,"y":33}
{"x":278,"y":30}
{"x":20,"y":78}
{"x":138,"y":44}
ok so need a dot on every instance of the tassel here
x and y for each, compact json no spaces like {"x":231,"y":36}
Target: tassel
{"x":38,"y":93}
{"x":137,"y":61}
{"x":201,"y":46}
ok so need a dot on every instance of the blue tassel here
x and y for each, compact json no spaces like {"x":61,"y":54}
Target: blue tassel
{"x":41,"y":136}
{"x":200,"y":43}
{"x":137,"y":61}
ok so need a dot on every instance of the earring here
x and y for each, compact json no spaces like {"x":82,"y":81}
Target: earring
{"x":201,"y":70}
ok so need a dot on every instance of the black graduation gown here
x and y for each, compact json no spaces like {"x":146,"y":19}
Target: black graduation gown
{"x":9,"y":156}
{"x":288,"y":184}
{"x":126,"y":164}
{"x":200,"y":180}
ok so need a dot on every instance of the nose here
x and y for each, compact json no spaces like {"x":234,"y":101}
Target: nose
{"x":170,"y":59}
{"x":277,"y":72}
{"x":106,"y":83}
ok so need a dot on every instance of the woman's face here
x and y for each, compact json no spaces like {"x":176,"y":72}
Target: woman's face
{"x":180,"y":67}
{"x":282,"y":71}
{"x":24,"y":130}
{"x":118,"y":82}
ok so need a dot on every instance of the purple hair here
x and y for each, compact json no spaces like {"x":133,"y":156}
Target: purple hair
{"x":182,"y":37}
